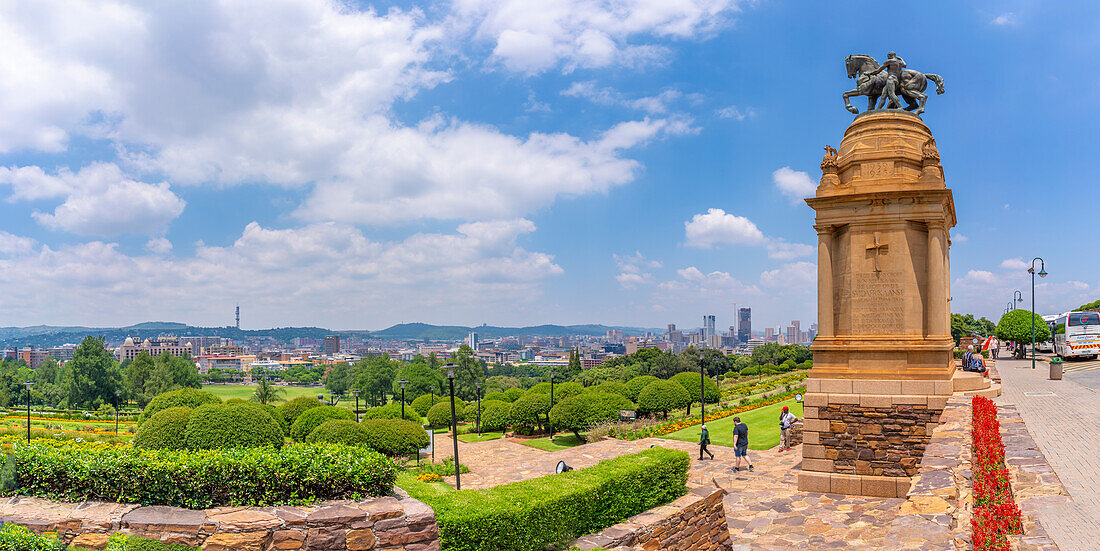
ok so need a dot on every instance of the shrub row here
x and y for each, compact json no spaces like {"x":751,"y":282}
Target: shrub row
{"x":210,"y":426}
{"x":18,"y":538}
{"x":199,"y":479}
{"x":392,"y":437}
{"x":547,"y":512}
{"x":996,"y":515}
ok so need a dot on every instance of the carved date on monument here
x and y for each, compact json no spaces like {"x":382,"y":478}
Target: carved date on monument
{"x":878,"y":303}
{"x":877,"y":169}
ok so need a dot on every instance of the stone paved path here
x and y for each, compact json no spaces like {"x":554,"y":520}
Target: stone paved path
{"x":1064,"y":419}
{"x":764,"y":510}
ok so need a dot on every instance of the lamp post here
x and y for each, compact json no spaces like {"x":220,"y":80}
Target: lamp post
{"x":1042,"y":273}
{"x":356,"y":393}
{"x":454,"y":422}
{"x":28,"y":384}
{"x":403,"y":382}
{"x":117,"y":394}
{"x":552,"y":374}
{"x":478,"y":385}
{"x":1016,"y":297}
{"x":702,"y":392}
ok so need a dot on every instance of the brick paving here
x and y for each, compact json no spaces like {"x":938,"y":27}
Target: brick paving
{"x":1064,"y":420}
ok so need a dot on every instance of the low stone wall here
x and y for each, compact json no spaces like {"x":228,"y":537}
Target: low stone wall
{"x":696,"y":521}
{"x":396,"y":522}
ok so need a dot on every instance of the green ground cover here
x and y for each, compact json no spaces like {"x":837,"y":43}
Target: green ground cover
{"x":560,"y":442}
{"x":763,"y":427}
{"x":470,"y":438}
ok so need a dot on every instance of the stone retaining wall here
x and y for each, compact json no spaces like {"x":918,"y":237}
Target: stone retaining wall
{"x":396,"y":522}
{"x":696,"y":521}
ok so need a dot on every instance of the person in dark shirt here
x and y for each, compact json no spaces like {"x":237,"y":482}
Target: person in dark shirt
{"x":741,"y":443}
{"x":704,"y":441}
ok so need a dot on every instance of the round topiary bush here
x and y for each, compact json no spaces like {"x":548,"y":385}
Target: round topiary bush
{"x":338,"y":431}
{"x":570,"y":414}
{"x":662,"y":396}
{"x":605,"y":406}
{"x":529,"y":409}
{"x":216,"y":426}
{"x":236,"y":401}
{"x":565,"y":390}
{"x":499,"y":396}
{"x":423,"y":403}
{"x":184,"y":397}
{"x":272,"y":412}
{"x":165,"y":430}
{"x":294,"y":408}
{"x":690,"y":382}
{"x":440,"y":414}
{"x":634,"y":386}
{"x":495,"y":415}
{"x":541,"y":388}
{"x":392,"y":411}
{"x":313,"y":417}
{"x":394,"y":437}
{"x":513,"y":394}
{"x":611,"y":387}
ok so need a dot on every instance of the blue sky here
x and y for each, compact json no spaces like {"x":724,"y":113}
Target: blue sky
{"x":509,"y":161}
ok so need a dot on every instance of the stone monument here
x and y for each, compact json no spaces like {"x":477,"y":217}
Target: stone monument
{"x":883,"y":355}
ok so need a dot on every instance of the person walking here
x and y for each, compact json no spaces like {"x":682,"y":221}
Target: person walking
{"x":994,"y":346}
{"x":741,"y":443}
{"x":786,"y":421}
{"x":704,"y":441}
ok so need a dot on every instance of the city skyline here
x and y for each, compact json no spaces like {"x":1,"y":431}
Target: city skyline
{"x":503,"y":165}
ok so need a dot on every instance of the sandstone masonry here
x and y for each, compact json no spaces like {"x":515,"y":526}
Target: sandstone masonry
{"x":696,"y":521}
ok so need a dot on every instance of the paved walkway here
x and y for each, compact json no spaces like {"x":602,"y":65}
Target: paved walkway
{"x":1064,"y":419}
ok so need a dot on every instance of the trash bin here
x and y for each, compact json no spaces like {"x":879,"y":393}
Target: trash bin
{"x":1056,"y":369}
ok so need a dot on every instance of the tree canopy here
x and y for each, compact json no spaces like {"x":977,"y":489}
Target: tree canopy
{"x":1016,"y":326}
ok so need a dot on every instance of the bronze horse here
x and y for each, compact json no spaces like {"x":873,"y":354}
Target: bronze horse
{"x":911,"y":88}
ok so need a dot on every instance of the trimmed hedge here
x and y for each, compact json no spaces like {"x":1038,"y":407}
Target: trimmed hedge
{"x":217,"y":426}
{"x":423,"y":403}
{"x":500,"y":396}
{"x":527,"y":409}
{"x":611,"y":387}
{"x":635,"y":385}
{"x":440,"y":414}
{"x":394,"y":437}
{"x":547,"y":512}
{"x":494,"y":415}
{"x":663,"y":396}
{"x":18,"y":538}
{"x":294,"y":408}
{"x":184,"y":397}
{"x":313,"y":417}
{"x":297,"y":474}
{"x":392,"y":411}
{"x":338,"y":431}
{"x":165,"y":430}
{"x":513,"y":394}
{"x":690,"y":381}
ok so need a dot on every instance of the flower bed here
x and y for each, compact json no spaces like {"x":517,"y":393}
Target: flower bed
{"x":673,"y":426}
{"x":996,"y":515}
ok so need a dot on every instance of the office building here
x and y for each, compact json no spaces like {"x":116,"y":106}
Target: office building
{"x":131,"y":348}
{"x":199,"y":343}
{"x":769,"y":334}
{"x":671,"y":329}
{"x":33,"y":356}
{"x":744,"y":325}
{"x":708,"y":327}
{"x":332,"y":344}
{"x":472,"y":341}
{"x":223,"y":350}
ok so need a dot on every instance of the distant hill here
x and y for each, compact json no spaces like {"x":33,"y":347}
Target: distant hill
{"x":424,"y":331}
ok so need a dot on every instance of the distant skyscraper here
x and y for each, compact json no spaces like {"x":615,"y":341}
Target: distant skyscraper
{"x":792,"y":334}
{"x":332,"y":344}
{"x":238,"y":316}
{"x":744,"y":328}
{"x":671,"y":330}
{"x":472,"y":340}
{"x":769,"y":334}
{"x":708,"y":326}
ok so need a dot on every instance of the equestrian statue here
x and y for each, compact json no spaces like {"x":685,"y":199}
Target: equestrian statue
{"x":888,"y":84}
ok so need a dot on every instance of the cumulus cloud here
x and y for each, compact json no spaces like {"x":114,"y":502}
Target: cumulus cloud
{"x":14,"y":244}
{"x":159,"y":245}
{"x":693,"y":282}
{"x":605,"y":95}
{"x":1014,"y":264}
{"x":780,"y":249}
{"x":533,"y":37}
{"x":274,"y":274}
{"x":799,"y":276}
{"x":634,"y":270}
{"x":1006,"y":19}
{"x":960,"y":238}
{"x":99,"y":200}
{"x":718,"y":227}
{"x":795,"y":184}
{"x":735,"y":113}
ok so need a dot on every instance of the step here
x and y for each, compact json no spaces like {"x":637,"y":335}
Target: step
{"x":966,"y":380}
{"x":992,"y":392}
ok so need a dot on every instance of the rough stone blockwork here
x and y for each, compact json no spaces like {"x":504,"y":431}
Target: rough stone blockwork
{"x":396,"y":522}
{"x":880,"y":441}
{"x":696,"y":521}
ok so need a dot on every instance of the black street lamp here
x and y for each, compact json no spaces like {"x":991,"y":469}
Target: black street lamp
{"x":1016,"y":297}
{"x":1042,"y":273}
{"x":403,"y":382}
{"x":454,"y":422}
{"x":478,"y":385}
{"x":117,"y":394}
{"x":356,"y":393}
{"x":551,"y":426}
{"x":702,"y":393}
{"x":28,"y":384}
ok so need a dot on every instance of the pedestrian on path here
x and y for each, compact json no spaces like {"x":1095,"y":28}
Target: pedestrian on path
{"x":704,"y":441}
{"x":995,"y":345}
{"x":786,"y":421}
{"x":741,"y":443}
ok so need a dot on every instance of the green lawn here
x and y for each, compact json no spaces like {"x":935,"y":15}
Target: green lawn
{"x":407,"y":480}
{"x":470,"y":438}
{"x":560,"y":442}
{"x":763,"y":427}
{"x":244,"y":392}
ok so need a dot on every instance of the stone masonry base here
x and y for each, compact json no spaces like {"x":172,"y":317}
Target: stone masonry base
{"x":696,"y":522}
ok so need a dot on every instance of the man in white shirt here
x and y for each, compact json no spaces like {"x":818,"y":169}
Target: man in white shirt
{"x":786,"y":421}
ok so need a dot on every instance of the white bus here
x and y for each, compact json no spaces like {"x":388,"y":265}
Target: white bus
{"x":1077,"y":334}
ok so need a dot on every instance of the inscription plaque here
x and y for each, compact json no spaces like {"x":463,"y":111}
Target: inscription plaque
{"x":877,"y":169}
{"x":878,"y":303}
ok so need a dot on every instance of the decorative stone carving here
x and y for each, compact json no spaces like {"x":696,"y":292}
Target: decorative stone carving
{"x":829,"y":168}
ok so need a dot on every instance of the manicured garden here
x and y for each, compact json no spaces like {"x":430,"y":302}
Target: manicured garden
{"x":763,"y":423}
{"x":996,"y":515}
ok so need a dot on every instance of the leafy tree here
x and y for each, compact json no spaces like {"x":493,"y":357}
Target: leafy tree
{"x":1093,"y":306}
{"x":1015,"y":327}
{"x":967,"y":325}
{"x":374,"y":377}
{"x":339,"y":378}
{"x":468,"y":370}
{"x":634,"y":386}
{"x":662,"y":397}
{"x":420,"y":376}
{"x":530,"y":409}
{"x":13,"y":373}
{"x":94,"y":373}
{"x":266,"y":392}
{"x":134,"y":377}
{"x":574,"y":364}
{"x":690,"y":382}
{"x":570,"y":414}
{"x":47,"y":383}
{"x":715,"y":362}
{"x":172,"y":372}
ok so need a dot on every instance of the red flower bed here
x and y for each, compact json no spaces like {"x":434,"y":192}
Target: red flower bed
{"x":995,"y":513}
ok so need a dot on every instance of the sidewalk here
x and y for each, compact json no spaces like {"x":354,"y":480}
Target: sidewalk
{"x":1064,"y":419}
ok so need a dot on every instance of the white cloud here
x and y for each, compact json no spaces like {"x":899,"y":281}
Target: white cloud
{"x":1005,"y":19}
{"x":733,"y":112}
{"x":533,"y":37}
{"x":99,"y":200}
{"x":693,"y":283}
{"x":780,"y":249}
{"x":159,"y":245}
{"x":794,"y":184}
{"x":1014,"y":264}
{"x":797,"y":276}
{"x":717,"y":227}
{"x":960,"y":238}
{"x":275,"y":275}
{"x":15,"y":244}
{"x":634,"y":270}
{"x":533,"y":105}
{"x":654,"y":105}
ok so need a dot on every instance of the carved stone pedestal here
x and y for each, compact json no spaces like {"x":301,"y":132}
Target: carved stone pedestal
{"x":882,"y":358}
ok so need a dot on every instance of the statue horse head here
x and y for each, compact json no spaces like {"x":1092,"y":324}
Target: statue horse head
{"x":859,"y":64}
